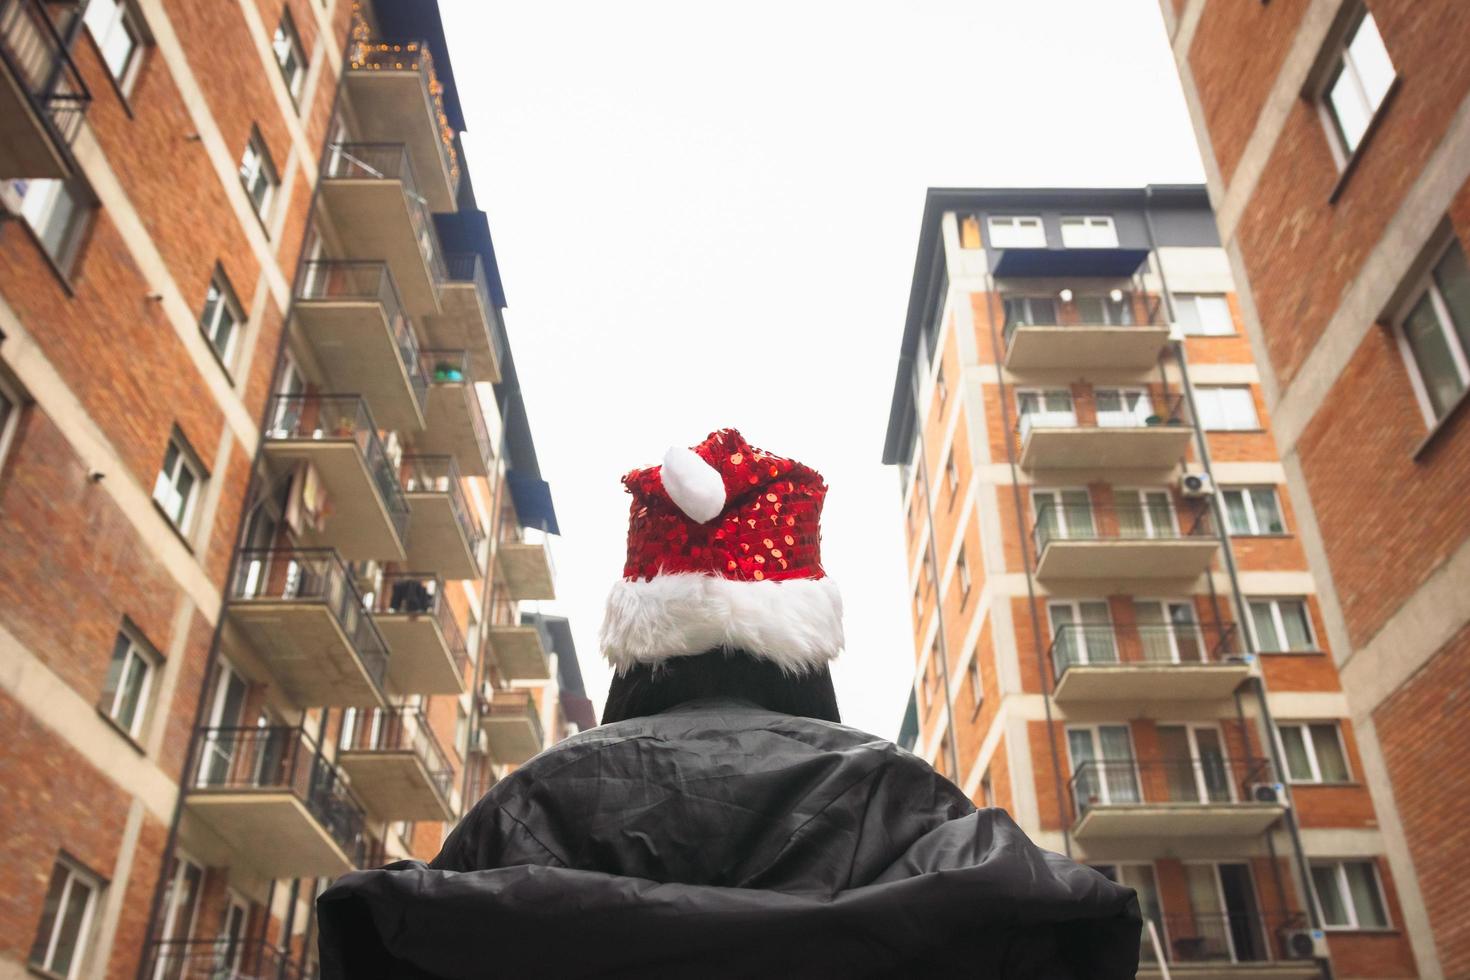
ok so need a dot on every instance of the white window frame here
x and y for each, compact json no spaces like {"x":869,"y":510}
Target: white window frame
{"x":977,"y":682}
{"x":1124,"y":419}
{"x":10,"y":395}
{"x":1202,"y":326}
{"x":1176,"y":632}
{"x":184,"y":459}
{"x":256,"y":163}
{"x":1030,"y":319}
{"x":1196,"y":761}
{"x":1056,"y":497}
{"x":1050,"y":418}
{"x":287,"y":37}
{"x":230,"y":950}
{"x":1248,"y":497}
{"x":36,"y":199}
{"x":1089,"y":231}
{"x":1094,"y":733}
{"x":1202,"y":393}
{"x":139,"y":652}
{"x":1459,"y":356}
{"x":75,"y":875}
{"x":210,"y":319}
{"x":951,"y":473}
{"x":1139,"y":496}
{"x":1278,"y":621}
{"x":1310,"y":744}
{"x":1345,"y":894}
{"x":123,"y":17}
{"x":1015,"y":231}
{"x":1341,"y":62}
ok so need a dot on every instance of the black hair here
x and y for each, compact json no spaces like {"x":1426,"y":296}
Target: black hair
{"x":649,"y":689}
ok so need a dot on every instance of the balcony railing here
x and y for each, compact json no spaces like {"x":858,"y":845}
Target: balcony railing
{"x":282,"y":759}
{"x":371,"y":282}
{"x":1149,"y":411}
{"x":388,"y":161}
{"x":414,"y":593}
{"x":398,"y":729}
{"x":1084,"y":311}
{"x":222,"y":959}
{"x":1178,"y":644}
{"x":380,"y":55}
{"x":452,"y":367}
{"x":1118,"y":522}
{"x":35,"y":53}
{"x":468,"y":267}
{"x":515,"y":703}
{"x":440,"y":474}
{"x":322,"y":417}
{"x":312,"y":576}
{"x":1222,"y":937}
{"x":1208,"y":781}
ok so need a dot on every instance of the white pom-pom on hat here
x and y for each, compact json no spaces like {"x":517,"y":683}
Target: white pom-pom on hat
{"x":693,"y":485}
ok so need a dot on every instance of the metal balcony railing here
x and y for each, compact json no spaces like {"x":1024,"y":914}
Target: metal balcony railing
{"x":388,"y":161}
{"x":340,"y":279}
{"x":396,"y":729}
{"x":1118,"y":522}
{"x":223,"y":959}
{"x":319,"y":417}
{"x":440,"y":474}
{"x":282,"y":759}
{"x":452,"y":367}
{"x":515,"y":703}
{"x":1084,"y":310}
{"x":1208,"y":781}
{"x":469,"y":267}
{"x":312,"y":575}
{"x":381,"y":55}
{"x":1223,"y":937}
{"x":34,"y":52}
{"x":417,"y":593}
{"x":1176,"y":644}
{"x":1128,"y":410}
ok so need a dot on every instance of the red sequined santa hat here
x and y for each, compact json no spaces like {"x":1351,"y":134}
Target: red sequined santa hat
{"x":724,"y":552}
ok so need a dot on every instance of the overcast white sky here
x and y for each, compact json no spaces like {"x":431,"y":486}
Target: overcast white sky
{"x":706,"y":215}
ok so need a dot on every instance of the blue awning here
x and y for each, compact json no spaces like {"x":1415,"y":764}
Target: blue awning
{"x":532,"y":499}
{"x":1100,"y":262}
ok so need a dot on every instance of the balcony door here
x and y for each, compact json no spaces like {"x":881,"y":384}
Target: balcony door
{"x":1049,"y":408}
{"x":1146,"y":514}
{"x":1103,"y":765}
{"x":1225,"y":917}
{"x":180,"y":906}
{"x":1140,"y":877}
{"x":1122,"y":408}
{"x":1082,"y":633}
{"x":1195,"y":764}
{"x":217,"y":749}
{"x":229,"y":945}
{"x":1062,"y":514}
{"x":1169,"y":632}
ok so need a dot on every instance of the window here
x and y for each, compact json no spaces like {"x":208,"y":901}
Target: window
{"x":940,"y":387}
{"x":1436,"y":334}
{"x":1030,"y":311}
{"x":66,"y":920}
{"x":969,"y":230}
{"x":177,"y":487}
{"x":221,"y":320}
{"x":987,"y":789}
{"x":951,"y":475}
{"x":1062,"y":514}
{"x":1112,"y":310}
{"x":115,"y":29}
{"x":1253,"y":510}
{"x":977,"y":686}
{"x":1089,"y":231}
{"x":129,"y":682}
{"x":1314,"y":752}
{"x":1016,"y":232}
{"x":1349,"y":894}
{"x":1047,"y":409}
{"x":1122,"y":408}
{"x":1225,"y":409}
{"x":962,"y":571}
{"x":1359,"y":82}
{"x":1281,"y":625}
{"x":286,"y":44}
{"x":258,"y":174}
{"x":56,"y":211}
{"x":1203,"y":314}
{"x":9,"y":418}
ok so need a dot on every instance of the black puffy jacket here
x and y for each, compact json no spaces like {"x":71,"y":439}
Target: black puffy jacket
{"x":721,"y":840}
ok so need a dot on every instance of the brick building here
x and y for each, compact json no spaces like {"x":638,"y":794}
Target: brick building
{"x":1336,"y":141}
{"x":269,"y":504}
{"x":1117,"y":632}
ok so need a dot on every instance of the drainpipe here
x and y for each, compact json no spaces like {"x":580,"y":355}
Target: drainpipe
{"x":1257,"y":680}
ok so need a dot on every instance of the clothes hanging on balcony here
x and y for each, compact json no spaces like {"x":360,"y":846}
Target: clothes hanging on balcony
{"x":306,"y":500}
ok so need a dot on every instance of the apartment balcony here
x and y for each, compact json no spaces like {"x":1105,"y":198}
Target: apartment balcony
{"x":426,"y":646}
{"x":520,"y":649}
{"x":304,"y":621}
{"x":526,"y":568}
{"x":1105,"y":339}
{"x":1146,"y":662}
{"x":43,"y":99}
{"x":444,"y":536}
{"x":456,"y":423}
{"x":1171,"y":798}
{"x":222,"y":958}
{"x":468,"y":318}
{"x":350,"y":499}
{"x":271,"y":785}
{"x":379,"y":213}
{"x":512,"y":725}
{"x":352,"y":316}
{"x":1132,"y":434}
{"x":396,"y":764}
{"x":1125,"y":541}
{"x":1224,"y":946}
{"x":397,"y":98}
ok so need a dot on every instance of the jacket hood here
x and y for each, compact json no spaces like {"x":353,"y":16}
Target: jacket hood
{"x":719,"y":839}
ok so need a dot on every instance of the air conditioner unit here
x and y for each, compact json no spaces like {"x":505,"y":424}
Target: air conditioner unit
{"x":1304,"y":944}
{"x":1267,"y":793}
{"x":1196,"y":485}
